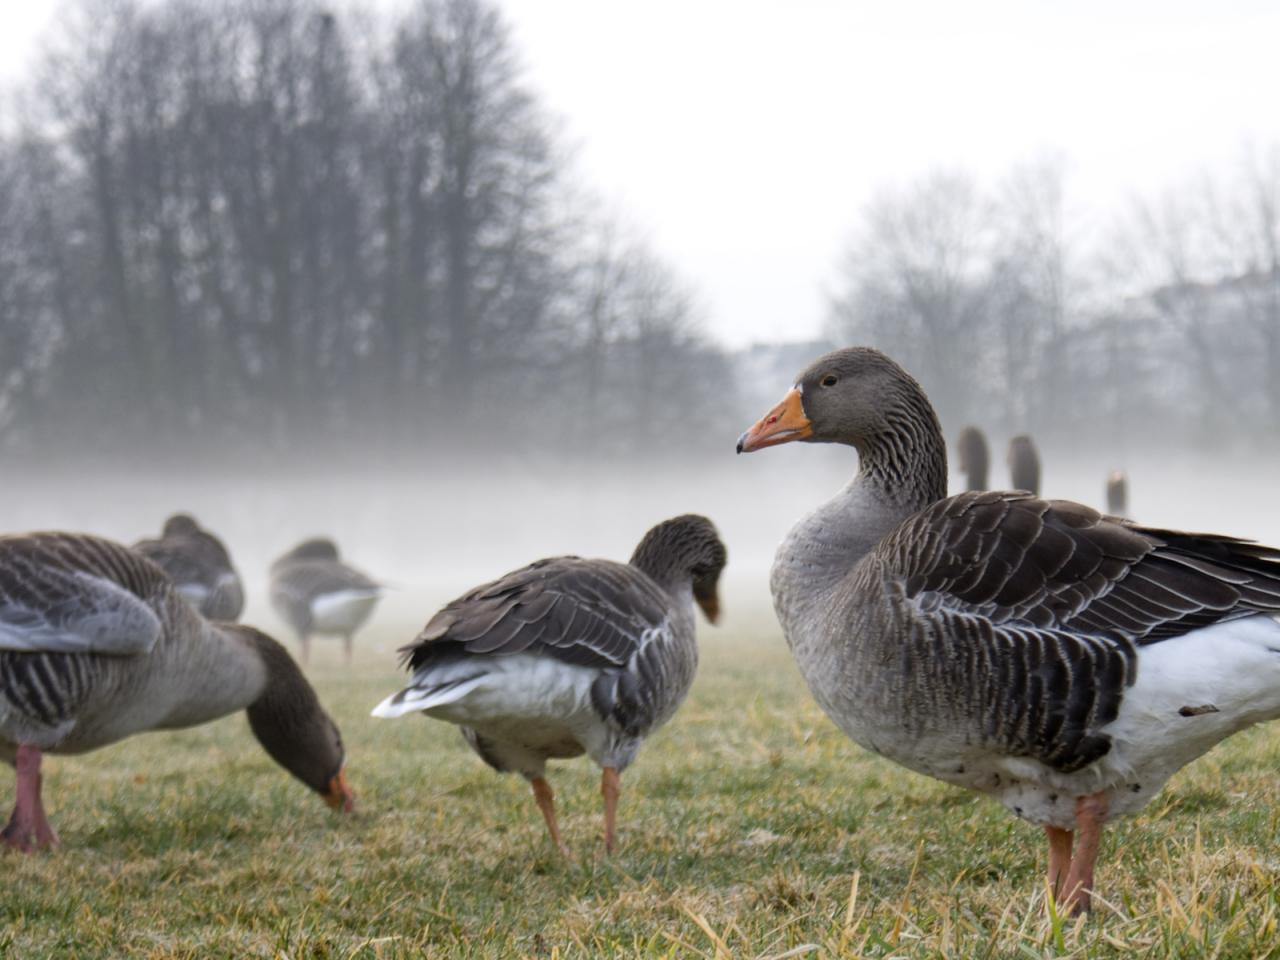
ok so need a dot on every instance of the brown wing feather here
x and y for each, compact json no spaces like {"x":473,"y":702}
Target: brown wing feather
{"x":1014,"y":558}
{"x":1030,"y":612}
{"x":590,"y":612}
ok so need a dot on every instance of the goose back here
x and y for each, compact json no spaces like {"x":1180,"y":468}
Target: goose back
{"x":200,"y":566}
{"x":96,"y":643}
{"x":315,"y":592}
{"x":609,"y":617}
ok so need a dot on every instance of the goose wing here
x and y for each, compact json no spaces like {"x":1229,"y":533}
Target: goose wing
{"x":1031,"y":613}
{"x":193,"y":558}
{"x":589,"y":612}
{"x":70,"y":594}
{"x":304,"y":581}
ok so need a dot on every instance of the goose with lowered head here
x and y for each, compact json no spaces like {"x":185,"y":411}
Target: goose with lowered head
{"x":96,"y":644}
{"x":316,"y":593}
{"x":1062,"y":662}
{"x":569,"y":656}
{"x":200,"y":566}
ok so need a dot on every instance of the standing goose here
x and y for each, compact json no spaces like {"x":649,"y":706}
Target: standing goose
{"x":1024,"y":464}
{"x":199,"y":564}
{"x":974,"y":458}
{"x":1117,"y":493}
{"x":569,"y":656}
{"x":316,"y":593}
{"x":96,"y":644}
{"x":1062,"y":662}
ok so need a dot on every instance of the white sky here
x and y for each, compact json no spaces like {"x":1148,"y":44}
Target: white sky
{"x":743,"y":136}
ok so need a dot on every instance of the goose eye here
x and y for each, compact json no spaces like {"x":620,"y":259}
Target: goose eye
{"x":829,"y":380}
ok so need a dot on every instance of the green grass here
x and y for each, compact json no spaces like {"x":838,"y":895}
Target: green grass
{"x":749,"y":828}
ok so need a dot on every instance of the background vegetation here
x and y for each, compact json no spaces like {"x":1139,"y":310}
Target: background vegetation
{"x":240,"y":223}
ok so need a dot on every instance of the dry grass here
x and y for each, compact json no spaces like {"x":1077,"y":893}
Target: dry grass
{"x":750,"y":828}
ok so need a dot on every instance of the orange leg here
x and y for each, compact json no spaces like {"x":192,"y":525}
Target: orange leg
{"x":1059,"y":857}
{"x":1091,"y":814}
{"x":547,"y":804}
{"x":609,"y":788}
{"x":28,"y":828}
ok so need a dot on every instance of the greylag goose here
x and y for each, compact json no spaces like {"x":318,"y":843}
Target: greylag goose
{"x":97,"y":644}
{"x":1024,"y":464}
{"x":1062,"y":662}
{"x":1117,"y":493}
{"x":199,"y":564}
{"x":569,"y":656}
{"x":974,"y":458}
{"x":316,"y":593}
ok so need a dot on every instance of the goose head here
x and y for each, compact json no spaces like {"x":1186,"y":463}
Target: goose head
{"x":859,"y":397}
{"x":685,"y":548}
{"x":316,"y":548}
{"x":180,"y":525}
{"x":294,"y":729}
{"x":854,"y":396}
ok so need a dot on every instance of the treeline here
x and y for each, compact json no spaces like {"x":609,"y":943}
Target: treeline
{"x":231,"y":225}
{"x":255,"y":222}
{"x":1158,"y":326}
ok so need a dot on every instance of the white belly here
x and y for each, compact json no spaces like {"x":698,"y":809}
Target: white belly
{"x":1191,"y":693}
{"x":342,"y":612}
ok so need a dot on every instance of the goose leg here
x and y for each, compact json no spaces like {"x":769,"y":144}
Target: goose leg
{"x":28,"y":827}
{"x":1059,"y":857}
{"x":609,"y":788}
{"x":546,"y":798}
{"x":346,"y":649}
{"x":1091,"y":814}
{"x":305,"y":641}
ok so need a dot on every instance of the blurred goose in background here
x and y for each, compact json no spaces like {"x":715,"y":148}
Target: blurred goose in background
{"x":974,"y":457}
{"x":1024,"y":464}
{"x":1117,"y":493}
{"x":199,"y":564}
{"x":96,"y":644}
{"x":316,"y":593}
{"x":1033,"y":650}
{"x":569,"y":656}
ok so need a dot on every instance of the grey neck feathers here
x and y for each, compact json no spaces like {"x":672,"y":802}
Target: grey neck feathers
{"x":673,"y":550}
{"x":901,"y":471}
{"x":905,"y":464}
{"x":288,"y":720}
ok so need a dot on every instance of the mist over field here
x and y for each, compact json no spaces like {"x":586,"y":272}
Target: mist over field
{"x":435,"y":529}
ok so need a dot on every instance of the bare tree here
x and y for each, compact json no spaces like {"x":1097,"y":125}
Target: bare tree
{"x":249,"y":221}
{"x":917,"y":282}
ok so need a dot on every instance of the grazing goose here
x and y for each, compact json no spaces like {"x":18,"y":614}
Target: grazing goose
{"x":316,"y":593}
{"x":569,"y":656}
{"x":1024,"y":464}
{"x":96,"y":644}
{"x":974,"y":459}
{"x":1117,"y":493}
{"x":1062,"y":662}
{"x":199,"y":564}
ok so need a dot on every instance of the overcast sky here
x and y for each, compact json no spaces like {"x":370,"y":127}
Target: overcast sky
{"x":743,"y":136}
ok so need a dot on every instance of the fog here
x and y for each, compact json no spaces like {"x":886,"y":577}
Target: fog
{"x":433,"y":532}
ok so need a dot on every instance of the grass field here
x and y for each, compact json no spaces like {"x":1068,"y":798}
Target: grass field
{"x":750,"y":827}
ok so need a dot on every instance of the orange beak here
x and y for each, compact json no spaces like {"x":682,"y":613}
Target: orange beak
{"x":782,"y":424}
{"x":340,"y":795}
